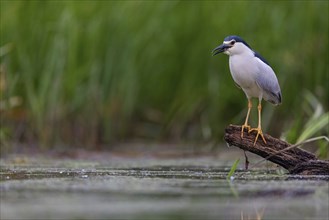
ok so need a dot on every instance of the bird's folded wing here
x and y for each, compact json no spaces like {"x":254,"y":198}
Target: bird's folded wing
{"x":267,"y":81}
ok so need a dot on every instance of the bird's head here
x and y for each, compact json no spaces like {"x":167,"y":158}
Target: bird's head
{"x":232,"y":45}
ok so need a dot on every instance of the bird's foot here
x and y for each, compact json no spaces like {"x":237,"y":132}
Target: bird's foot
{"x":259,"y":132}
{"x":243,"y":127}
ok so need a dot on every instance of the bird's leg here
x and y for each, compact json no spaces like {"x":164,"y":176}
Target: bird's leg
{"x":259,"y":128}
{"x":245,"y":125}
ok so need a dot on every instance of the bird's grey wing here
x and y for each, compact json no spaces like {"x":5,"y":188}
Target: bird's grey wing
{"x":267,"y":81}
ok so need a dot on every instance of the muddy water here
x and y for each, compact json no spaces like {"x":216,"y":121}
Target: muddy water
{"x":149,"y":188}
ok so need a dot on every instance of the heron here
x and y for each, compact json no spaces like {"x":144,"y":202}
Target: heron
{"x":253,"y":74}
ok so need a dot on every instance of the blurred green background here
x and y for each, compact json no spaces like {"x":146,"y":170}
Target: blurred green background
{"x":88,"y":73}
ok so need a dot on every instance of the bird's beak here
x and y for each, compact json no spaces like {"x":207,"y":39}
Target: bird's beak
{"x":220,"y":49}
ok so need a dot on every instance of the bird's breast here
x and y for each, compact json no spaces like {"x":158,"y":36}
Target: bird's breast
{"x":243,"y":71}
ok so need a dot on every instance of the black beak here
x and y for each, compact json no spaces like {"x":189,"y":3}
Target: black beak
{"x":220,"y":49}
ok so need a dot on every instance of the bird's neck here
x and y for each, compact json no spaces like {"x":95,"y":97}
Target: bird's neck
{"x":244,"y":53}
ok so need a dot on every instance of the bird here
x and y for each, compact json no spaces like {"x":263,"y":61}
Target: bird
{"x":253,"y":74}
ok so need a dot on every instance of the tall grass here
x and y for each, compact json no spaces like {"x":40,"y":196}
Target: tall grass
{"x":97,"y":72}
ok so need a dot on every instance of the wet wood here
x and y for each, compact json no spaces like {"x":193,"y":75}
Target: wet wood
{"x":295,"y":160}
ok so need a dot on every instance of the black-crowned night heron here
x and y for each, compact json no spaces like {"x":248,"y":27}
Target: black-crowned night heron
{"x":253,"y":75}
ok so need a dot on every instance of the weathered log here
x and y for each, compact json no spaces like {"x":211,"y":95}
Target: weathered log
{"x":295,"y":160}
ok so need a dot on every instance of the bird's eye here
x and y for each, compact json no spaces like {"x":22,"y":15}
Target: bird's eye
{"x":232,"y":42}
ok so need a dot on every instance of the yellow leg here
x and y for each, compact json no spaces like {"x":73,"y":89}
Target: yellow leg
{"x":245,"y":125}
{"x":259,"y":128}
